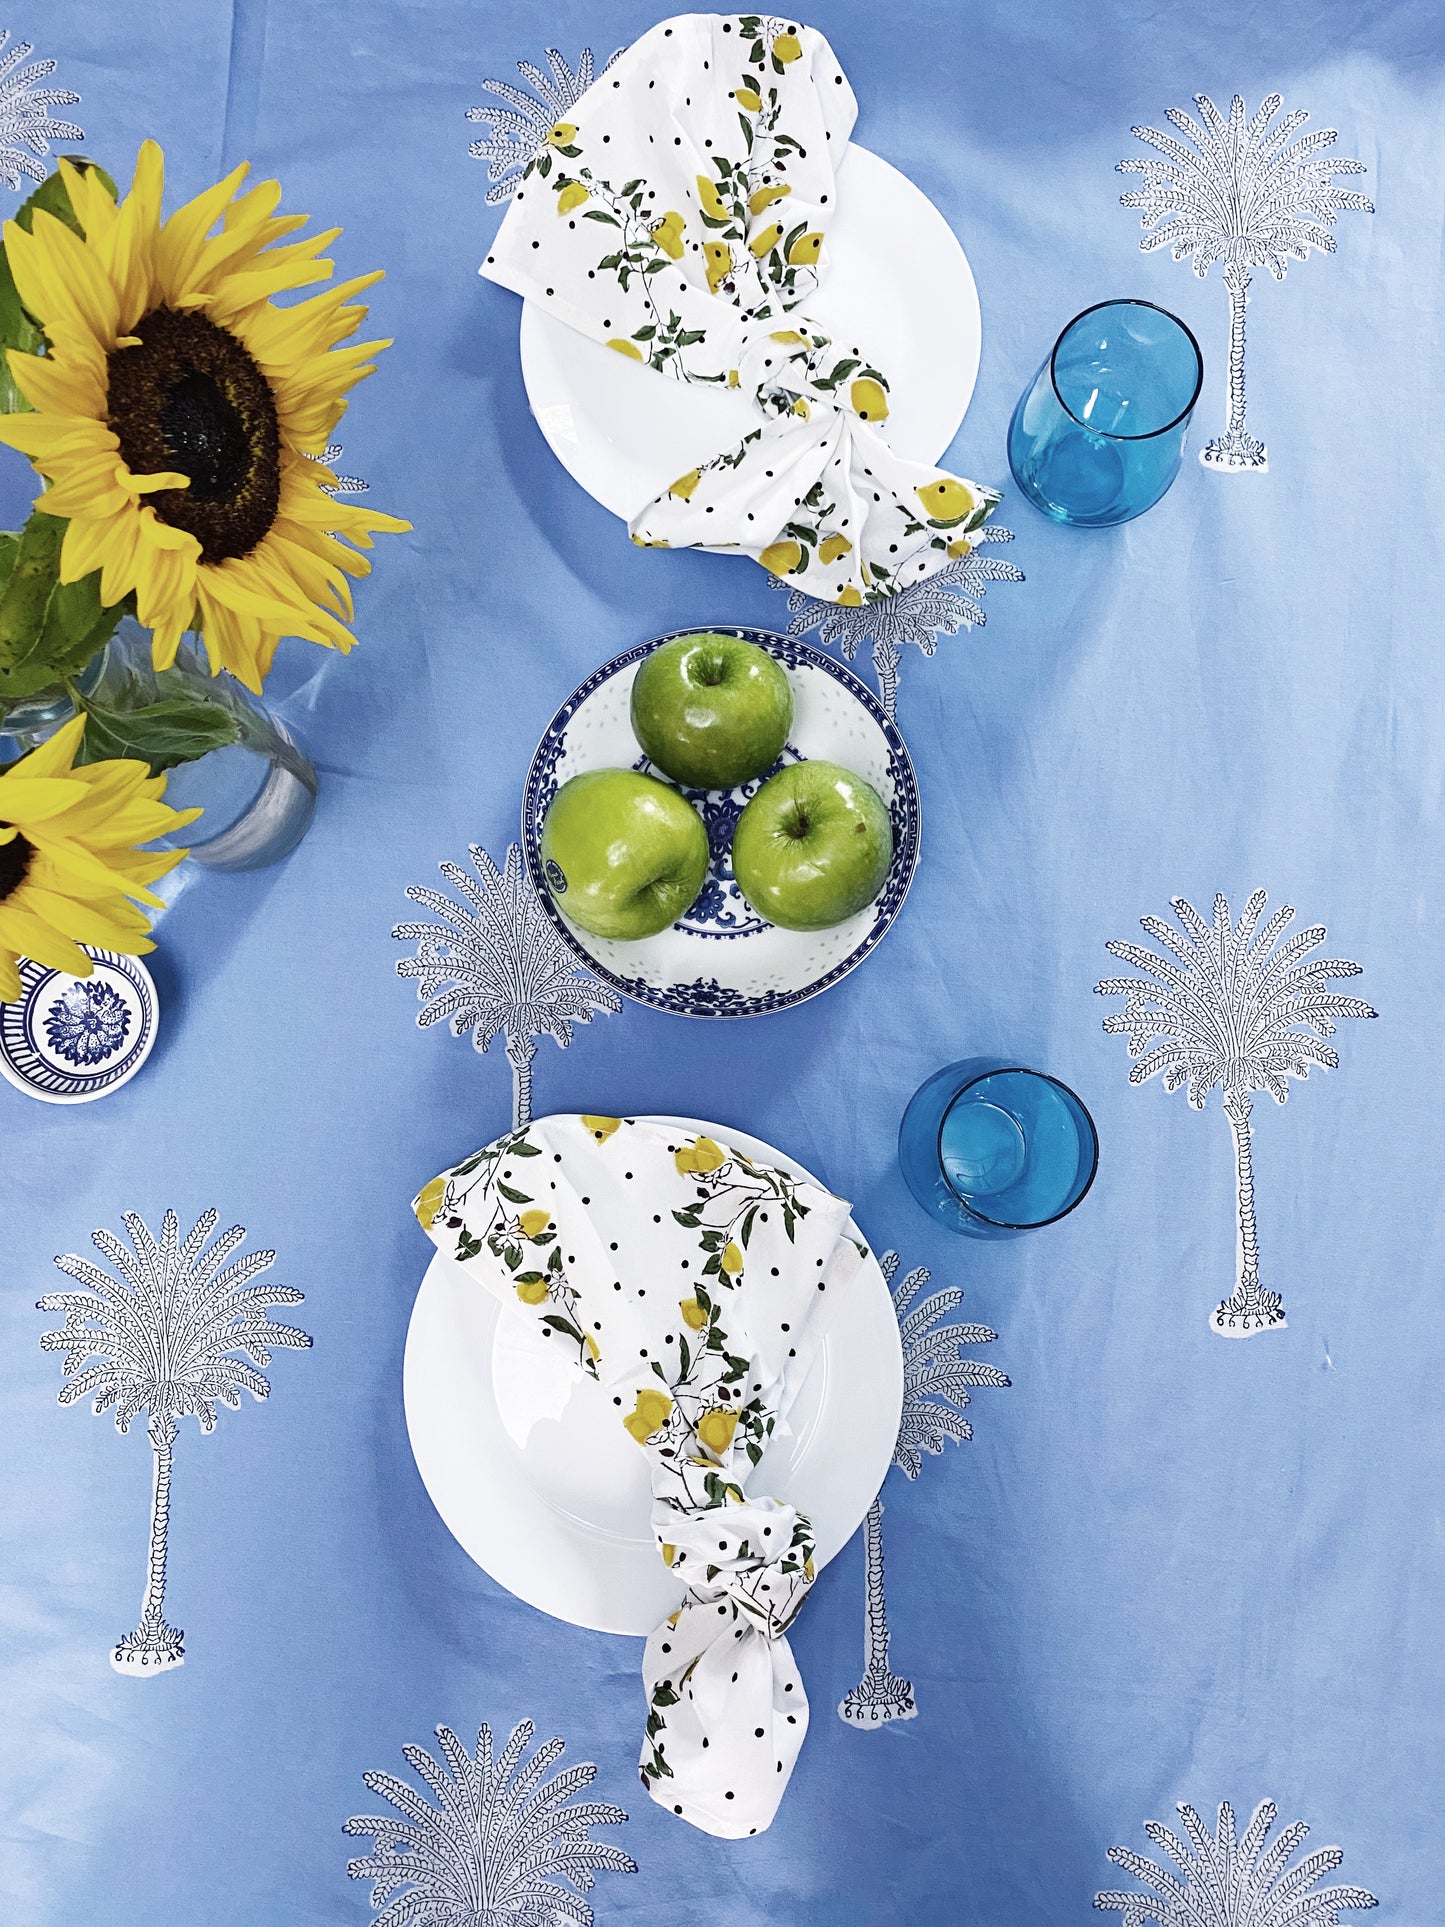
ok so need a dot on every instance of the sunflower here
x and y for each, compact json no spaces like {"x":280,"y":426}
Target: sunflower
{"x":68,"y":856}
{"x":176,"y":406}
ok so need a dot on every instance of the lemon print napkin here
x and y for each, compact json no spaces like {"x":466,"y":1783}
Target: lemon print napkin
{"x":695,"y":1285}
{"x":680,"y":215}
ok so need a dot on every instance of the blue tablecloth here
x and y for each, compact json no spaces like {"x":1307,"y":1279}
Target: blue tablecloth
{"x":1166,"y":1568}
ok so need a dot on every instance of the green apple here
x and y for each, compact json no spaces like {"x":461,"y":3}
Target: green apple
{"x":711,"y":710}
{"x":623,"y":854}
{"x":813,"y":846}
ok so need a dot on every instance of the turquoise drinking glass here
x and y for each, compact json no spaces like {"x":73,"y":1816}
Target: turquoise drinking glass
{"x":1099,"y":435}
{"x":991,"y":1149}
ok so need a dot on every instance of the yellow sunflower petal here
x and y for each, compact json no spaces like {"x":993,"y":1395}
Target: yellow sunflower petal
{"x":24,"y":930}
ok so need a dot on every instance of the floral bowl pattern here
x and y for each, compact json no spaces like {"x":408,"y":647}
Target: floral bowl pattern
{"x":722,"y":959}
{"x":69,"y":1039}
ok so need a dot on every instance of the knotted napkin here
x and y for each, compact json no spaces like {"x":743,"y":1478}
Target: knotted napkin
{"x":679,"y":214}
{"x":694,"y":1284}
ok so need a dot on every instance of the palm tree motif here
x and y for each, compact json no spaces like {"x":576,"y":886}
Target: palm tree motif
{"x":518,"y":130}
{"x":344,"y":484}
{"x":1231,"y":1882}
{"x":1250,"y":195}
{"x":941,"y":605}
{"x":937,"y":1380}
{"x":1240,"y":1009}
{"x":164,"y":1336}
{"x":493,"y":1850}
{"x":27,"y":126}
{"x":498,"y":966}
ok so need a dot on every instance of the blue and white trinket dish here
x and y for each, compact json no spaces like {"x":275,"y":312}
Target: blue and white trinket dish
{"x":68,"y":1040}
{"x":722,"y":959}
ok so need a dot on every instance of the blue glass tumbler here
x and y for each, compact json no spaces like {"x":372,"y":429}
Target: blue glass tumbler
{"x":1099,"y":435}
{"x":991,"y":1149}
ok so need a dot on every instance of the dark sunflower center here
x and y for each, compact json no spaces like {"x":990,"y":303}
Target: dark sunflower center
{"x":14,"y":863}
{"x":189,"y":397}
{"x":206,"y":438}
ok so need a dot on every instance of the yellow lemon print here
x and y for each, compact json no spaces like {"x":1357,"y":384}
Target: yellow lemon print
{"x":685,"y":1158}
{"x":693,"y":1315}
{"x":765,"y":242}
{"x":534,"y":1223}
{"x":716,"y":1429}
{"x":430,"y":1202}
{"x":787,"y":48}
{"x":800,"y":407}
{"x":870,"y":403}
{"x":732,"y":1259}
{"x":805,"y":250}
{"x":718,"y":260}
{"x":641,"y":542}
{"x":947,"y":500}
{"x":707,"y":1155}
{"x":572,"y":195}
{"x":748,"y":99}
{"x":532,"y":1291}
{"x":647,"y":1415}
{"x":832,"y":546}
{"x":602,"y":1127}
{"x":628,"y":348}
{"x":765,"y":197}
{"x":668,"y":234}
{"x":809,"y":1570}
{"x":961,"y":547}
{"x":850,"y":598}
{"x":562,"y":135}
{"x":712,"y":204}
{"x":685,"y":484}
{"x":791,"y":337}
{"x":732,"y":377}
{"x":782,"y":557}
{"x":669,"y":1553}
{"x":589,"y":1345}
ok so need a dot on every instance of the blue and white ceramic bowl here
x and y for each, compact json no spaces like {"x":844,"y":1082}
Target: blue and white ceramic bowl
{"x":68,"y":1039}
{"x":722,"y":959}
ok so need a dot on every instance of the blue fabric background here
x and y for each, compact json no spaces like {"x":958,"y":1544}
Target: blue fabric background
{"x":1167,"y":1567}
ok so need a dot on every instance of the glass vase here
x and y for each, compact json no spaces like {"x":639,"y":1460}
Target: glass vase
{"x":257,"y":791}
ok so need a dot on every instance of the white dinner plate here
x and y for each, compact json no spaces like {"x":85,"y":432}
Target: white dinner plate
{"x":538,"y":1483}
{"x":898,"y":287}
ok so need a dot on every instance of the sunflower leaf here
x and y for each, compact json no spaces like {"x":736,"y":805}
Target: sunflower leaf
{"x":33,"y":575}
{"x":176,"y":730}
{"x":77,"y":624}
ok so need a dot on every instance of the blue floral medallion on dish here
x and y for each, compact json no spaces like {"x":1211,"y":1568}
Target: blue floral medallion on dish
{"x":69,"y":1039}
{"x":87,"y":1022}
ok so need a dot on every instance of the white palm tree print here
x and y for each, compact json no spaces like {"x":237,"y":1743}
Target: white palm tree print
{"x":494,"y":1849}
{"x":1231,"y":1881}
{"x":164,"y":1337}
{"x":1245,"y":193}
{"x":1236,"y":1008}
{"x":518,"y":129}
{"x":27,"y":126}
{"x":937,"y":1379}
{"x":941,"y":605}
{"x":498,"y":967}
